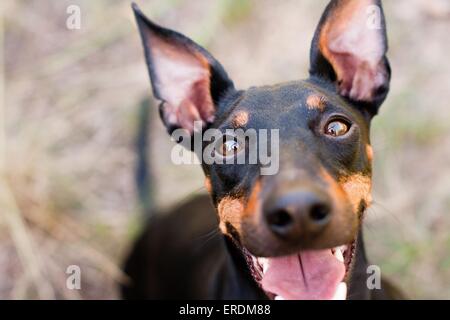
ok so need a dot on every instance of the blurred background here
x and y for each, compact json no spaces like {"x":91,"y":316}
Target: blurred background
{"x":70,"y":111}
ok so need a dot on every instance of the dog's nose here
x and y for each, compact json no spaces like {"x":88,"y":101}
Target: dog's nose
{"x":298,"y":215}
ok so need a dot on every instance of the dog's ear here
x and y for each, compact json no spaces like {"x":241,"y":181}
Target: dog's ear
{"x":184,"y":76}
{"x":349,"y":49}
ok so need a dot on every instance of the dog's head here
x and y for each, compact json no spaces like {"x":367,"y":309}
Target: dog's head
{"x":305,"y":215}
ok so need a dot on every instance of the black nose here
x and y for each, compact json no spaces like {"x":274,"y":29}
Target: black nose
{"x":298,"y":215}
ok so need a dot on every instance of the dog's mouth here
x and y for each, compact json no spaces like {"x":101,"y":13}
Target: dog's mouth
{"x":306,"y":275}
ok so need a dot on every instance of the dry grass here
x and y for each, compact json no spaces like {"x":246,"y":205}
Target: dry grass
{"x":67,"y":132}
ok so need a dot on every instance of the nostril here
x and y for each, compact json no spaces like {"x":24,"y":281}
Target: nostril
{"x":279,"y":218}
{"x":298,"y":214}
{"x":319,"y":213}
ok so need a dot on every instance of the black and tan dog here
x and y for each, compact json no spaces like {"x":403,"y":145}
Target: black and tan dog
{"x":292,"y":235}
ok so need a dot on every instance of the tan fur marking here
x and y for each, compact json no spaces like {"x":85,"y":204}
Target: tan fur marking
{"x":315,"y":101}
{"x":253,"y":202}
{"x":357,"y":187}
{"x":240,"y":119}
{"x":230,"y":210}
{"x":369,"y":152}
{"x":208,"y":185}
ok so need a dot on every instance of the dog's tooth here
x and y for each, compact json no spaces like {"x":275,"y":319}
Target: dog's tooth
{"x":279,"y":298}
{"x":341,"y":292}
{"x":264,"y":263}
{"x":338,"y":255}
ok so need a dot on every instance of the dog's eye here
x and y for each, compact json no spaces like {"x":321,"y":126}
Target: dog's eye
{"x":230,"y":146}
{"x":336,"y":128}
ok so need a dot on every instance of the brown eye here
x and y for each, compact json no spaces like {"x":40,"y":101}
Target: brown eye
{"x":336,"y":128}
{"x":229,"y":147}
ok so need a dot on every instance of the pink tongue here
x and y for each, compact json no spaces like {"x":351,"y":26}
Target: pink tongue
{"x":322,"y":274}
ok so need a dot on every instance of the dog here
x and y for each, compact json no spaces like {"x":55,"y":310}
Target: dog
{"x":295,"y":234}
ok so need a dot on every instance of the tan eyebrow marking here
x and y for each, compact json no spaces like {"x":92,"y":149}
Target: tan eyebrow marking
{"x":315,"y":101}
{"x":240,"y":119}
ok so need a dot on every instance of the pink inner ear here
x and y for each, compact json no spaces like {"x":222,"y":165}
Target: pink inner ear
{"x":355,"y":48}
{"x":183,"y":82}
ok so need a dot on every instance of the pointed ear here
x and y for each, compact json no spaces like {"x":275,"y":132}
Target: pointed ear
{"x":184,"y":76}
{"x":349,"y":49}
